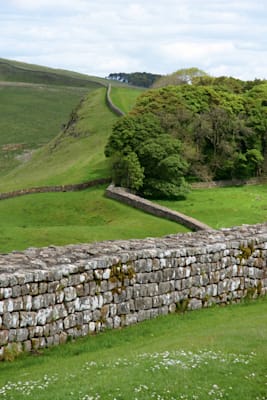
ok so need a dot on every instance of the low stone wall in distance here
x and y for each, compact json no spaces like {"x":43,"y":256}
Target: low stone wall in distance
{"x":111,"y":105}
{"x":261,"y":180}
{"x":50,"y":294}
{"x":124,"y":196}
{"x":52,"y":189}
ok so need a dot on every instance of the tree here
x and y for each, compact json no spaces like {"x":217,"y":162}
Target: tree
{"x":145,"y":159}
{"x":183,"y":76}
{"x":127,"y":171}
{"x":164,"y":167}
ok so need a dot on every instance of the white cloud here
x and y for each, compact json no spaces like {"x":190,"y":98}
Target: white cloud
{"x":123,"y":35}
{"x":31,"y":5}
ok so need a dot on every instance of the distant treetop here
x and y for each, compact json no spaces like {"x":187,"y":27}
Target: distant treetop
{"x":143,"y":79}
{"x":181,"y":77}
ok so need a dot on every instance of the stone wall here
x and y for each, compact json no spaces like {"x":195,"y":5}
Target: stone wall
{"x":260,"y":180}
{"x":59,"y":188}
{"x":124,"y":196}
{"x":50,"y":294}
{"x":111,"y":105}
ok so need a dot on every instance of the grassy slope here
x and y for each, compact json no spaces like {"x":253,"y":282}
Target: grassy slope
{"x":73,"y":156}
{"x":34,"y":115}
{"x":35,"y":101}
{"x":125,"y":98}
{"x":217,"y":353}
{"x":75,"y":217}
{"x":225,"y":207}
{"x":16,"y":71}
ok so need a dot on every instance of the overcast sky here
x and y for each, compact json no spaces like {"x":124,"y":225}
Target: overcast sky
{"x":222,"y":37}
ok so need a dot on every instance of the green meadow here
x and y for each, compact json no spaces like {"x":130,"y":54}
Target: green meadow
{"x":225,"y":207}
{"x":74,"y":217}
{"x":38,"y":220}
{"x":125,"y":98}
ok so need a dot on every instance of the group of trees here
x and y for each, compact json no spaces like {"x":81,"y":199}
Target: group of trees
{"x":142,"y":79}
{"x":205,"y":128}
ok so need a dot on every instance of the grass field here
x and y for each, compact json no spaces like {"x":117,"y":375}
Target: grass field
{"x":88,"y":216}
{"x":74,"y":156}
{"x":217,"y":353}
{"x":125,"y":98}
{"x":225,"y":207}
{"x":17,"y":71}
{"x":33,"y":115}
{"x":63,"y":218}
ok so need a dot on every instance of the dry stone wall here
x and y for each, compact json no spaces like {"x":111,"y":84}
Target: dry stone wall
{"x":50,"y":294}
{"x":58,"y":188}
{"x":111,"y":105}
{"x":123,"y":195}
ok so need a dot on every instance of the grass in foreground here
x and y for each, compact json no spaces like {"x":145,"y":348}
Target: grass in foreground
{"x":76,"y":217}
{"x":225,"y":207}
{"x":217,"y":353}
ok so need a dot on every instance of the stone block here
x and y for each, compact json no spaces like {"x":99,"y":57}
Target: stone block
{"x":194,"y":304}
{"x":22,"y":334}
{"x":70,"y":293}
{"x":18,"y":304}
{"x":164,"y":287}
{"x":28,"y":318}
{"x":16,"y":291}
{"x":4,"y":337}
{"x":10,"y":320}
{"x":70,"y":321}
{"x":44,"y":316}
{"x":123,"y":308}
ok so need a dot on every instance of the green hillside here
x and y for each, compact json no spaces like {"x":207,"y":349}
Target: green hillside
{"x":125,"y":98}
{"x":30,"y":117}
{"x":76,"y":154}
{"x":14,"y":71}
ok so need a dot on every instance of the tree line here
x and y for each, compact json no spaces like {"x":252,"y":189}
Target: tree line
{"x":142,"y":79}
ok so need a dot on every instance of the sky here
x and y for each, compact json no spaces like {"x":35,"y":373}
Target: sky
{"x":98,"y":37}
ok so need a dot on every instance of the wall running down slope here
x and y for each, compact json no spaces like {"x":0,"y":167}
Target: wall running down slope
{"x":123,"y":195}
{"x":50,"y":294}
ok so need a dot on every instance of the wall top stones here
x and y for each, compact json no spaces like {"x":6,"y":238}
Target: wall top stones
{"x":38,"y":264}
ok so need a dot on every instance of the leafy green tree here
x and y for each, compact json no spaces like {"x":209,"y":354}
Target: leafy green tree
{"x":248,"y":164}
{"x":142,"y":79}
{"x":146,"y":159}
{"x":131,"y":130}
{"x":255,"y":161}
{"x":164,"y":167}
{"x":127,"y":171}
